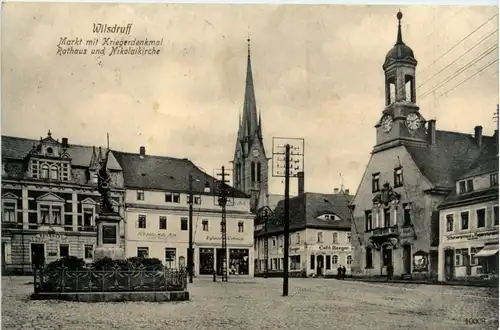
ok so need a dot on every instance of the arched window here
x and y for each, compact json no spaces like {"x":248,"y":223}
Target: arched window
{"x":253,"y":172}
{"x":45,"y":171}
{"x":54,"y":173}
{"x":349,"y":260}
{"x":258,"y":172}
{"x":335,"y":259}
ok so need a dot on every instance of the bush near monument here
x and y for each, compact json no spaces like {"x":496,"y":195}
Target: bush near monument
{"x":71,"y":274}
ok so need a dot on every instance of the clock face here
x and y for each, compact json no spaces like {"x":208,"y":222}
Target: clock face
{"x":386,"y":123}
{"x":255,"y":153}
{"x":413,"y":121}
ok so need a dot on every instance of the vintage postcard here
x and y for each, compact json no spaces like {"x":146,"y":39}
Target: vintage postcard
{"x":244,"y":166}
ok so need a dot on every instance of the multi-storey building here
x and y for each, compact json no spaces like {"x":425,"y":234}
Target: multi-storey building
{"x":412,"y":168}
{"x":157,"y":215}
{"x":468,"y":229}
{"x":50,"y":200}
{"x":320,"y":235}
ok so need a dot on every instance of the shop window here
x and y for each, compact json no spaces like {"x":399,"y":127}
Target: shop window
{"x":141,"y":221}
{"x":204,"y":224}
{"x":88,"y":251}
{"x":170,"y":257}
{"x":63,"y":250}
{"x":481,"y":218}
{"x":238,"y":261}
{"x":163,"y":222}
{"x":143,"y":252}
{"x":184,"y":224}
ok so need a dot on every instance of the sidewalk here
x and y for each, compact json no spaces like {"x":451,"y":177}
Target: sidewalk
{"x":484,"y":284}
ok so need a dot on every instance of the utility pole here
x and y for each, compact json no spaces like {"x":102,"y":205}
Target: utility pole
{"x":190,"y":249}
{"x":294,"y":163}
{"x":223,"y":201}
{"x":266,"y":245}
{"x":287,"y":219}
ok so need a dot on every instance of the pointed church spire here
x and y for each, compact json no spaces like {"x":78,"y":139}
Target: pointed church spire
{"x":249,"y":124}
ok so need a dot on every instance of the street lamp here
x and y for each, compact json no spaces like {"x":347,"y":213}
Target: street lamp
{"x":190,"y":225}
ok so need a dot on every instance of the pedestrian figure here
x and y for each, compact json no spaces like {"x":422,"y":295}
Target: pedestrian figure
{"x":339,"y":272}
{"x":343,"y":272}
{"x":390,"y":271}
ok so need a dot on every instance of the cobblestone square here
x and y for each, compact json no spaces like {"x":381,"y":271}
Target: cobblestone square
{"x":256,"y":303}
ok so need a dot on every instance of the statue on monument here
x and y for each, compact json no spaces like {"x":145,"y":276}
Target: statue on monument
{"x":103,"y":185}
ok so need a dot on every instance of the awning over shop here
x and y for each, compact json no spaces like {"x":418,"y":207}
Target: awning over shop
{"x":487,"y":251}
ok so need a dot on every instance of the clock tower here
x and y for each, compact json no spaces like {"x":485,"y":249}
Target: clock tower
{"x":250,"y":162}
{"x":401,"y":121}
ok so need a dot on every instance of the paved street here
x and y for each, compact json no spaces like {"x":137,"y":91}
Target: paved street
{"x":256,"y":303}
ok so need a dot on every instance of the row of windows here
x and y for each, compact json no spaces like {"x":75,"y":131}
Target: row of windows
{"x":387,"y":220}
{"x":464,"y":258}
{"x":330,"y":260}
{"x":50,"y":171}
{"x":162,"y":223}
{"x":143,"y":252}
{"x":49,"y":214}
{"x":277,"y":263}
{"x":64,"y":250}
{"x":171,"y":197}
{"x":335,"y":239}
{"x":466,"y":186}
{"x":397,"y":178}
{"x":465,"y":219}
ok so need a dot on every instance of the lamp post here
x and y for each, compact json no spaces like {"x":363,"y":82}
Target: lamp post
{"x":190,"y":226}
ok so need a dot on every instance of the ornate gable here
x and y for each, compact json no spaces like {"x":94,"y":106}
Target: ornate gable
{"x":89,"y":200}
{"x":9,"y":196}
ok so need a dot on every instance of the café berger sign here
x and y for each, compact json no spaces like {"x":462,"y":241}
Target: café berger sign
{"x":333,"y":248}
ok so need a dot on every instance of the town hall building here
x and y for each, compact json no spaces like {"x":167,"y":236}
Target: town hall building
{"x":413,"y":167}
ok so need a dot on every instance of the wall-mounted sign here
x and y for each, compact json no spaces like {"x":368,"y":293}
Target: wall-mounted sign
{"x":156,"y":235}
{"x":338,"y":248}
{"x":219,"y":238}
{"x":420,"y":261}
{"x":406,"y":232}
{"x":49,"y":237}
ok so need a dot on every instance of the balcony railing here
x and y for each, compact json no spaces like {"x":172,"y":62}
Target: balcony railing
{"x":385,"y":232}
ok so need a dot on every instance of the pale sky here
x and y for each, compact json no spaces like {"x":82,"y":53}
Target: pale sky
{"x":317,"y":74}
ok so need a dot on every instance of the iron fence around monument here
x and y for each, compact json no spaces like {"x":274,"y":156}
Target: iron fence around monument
{"x":140,"y":279}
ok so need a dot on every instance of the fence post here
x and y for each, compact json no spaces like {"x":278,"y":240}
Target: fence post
{"x":62,"y":280}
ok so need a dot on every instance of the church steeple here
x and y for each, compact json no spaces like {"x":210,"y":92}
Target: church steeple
{"x":250,"y":162}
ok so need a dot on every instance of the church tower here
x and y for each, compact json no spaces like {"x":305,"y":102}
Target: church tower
{"x":250,"y":161}
{"x":401,"y":121}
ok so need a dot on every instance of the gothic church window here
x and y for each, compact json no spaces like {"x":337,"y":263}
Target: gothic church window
{"x":258,"y":173}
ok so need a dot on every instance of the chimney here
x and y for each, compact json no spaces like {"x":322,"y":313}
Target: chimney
{"x":347,"y":191}
{"x":142,"y":151}
{"x":336,"y":190}
{"x":478,"y":135}
{"x":64,"y":142}
{"x":431,"y":132}
{"x":300,"y":177}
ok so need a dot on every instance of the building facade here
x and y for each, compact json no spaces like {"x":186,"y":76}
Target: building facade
{"x":157,"y":216}
{"x":320,"y":235}
{"x":250,"y":160}
{"x":50,"y":200}
{"x":468,"y":245}
{"x":412,"y":169}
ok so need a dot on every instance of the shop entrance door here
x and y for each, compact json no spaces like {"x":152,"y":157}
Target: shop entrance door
{"x":319,"y":267}
{"x":407,"y":259}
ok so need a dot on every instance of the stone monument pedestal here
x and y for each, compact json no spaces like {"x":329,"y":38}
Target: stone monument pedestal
{"x":108,"y":237}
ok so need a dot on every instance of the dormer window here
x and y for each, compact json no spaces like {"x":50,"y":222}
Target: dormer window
{"x":329,"y":217}
{"x":466,"y":186}
{"x":44,"y":173}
